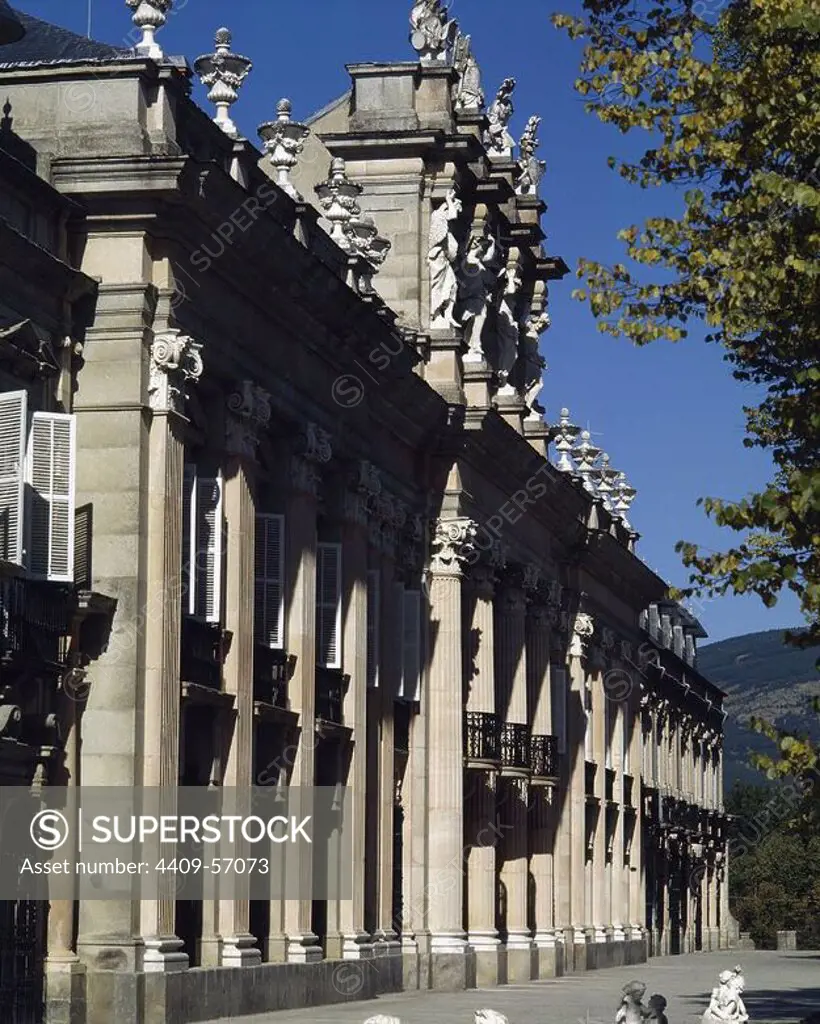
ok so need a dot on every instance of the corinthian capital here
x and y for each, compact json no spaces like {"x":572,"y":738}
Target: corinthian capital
{"x":317,"y":444}
{"x":248,"y":415}
{"x":176,"y":363}
{"x":582,"y":631}
{"x":453,"y":546}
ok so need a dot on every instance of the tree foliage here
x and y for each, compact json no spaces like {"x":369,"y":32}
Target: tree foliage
{"x":729,"y":104}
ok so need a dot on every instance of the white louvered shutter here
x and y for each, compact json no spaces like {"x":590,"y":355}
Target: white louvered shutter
{"x":329,"y":605}
{"x":411,"y":646}
{"x":13,"y":429}
{"x":50,"y":470}
{"x":373,"y":626}
{"x":558,"y":686}
{"x":208,"y":558}
{"x":269,"y":617}
{"x":188,"y":539}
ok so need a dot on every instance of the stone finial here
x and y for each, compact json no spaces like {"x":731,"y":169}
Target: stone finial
{"x":175,"y":364}
{"x":530,"y":167}
{"x":366,"y":240}
{"x":224,"y":72}
{"x":469,"y":96}
{"x":603,"y":478}
{"x":248,"y":415}
{"x":586,"y":455}
{"x":497,"y":137}
{"x":432,"y":33}
{"x":283,"y":141}
{"x":623,"y":494}
{"x":338,"y":197}
{"x":563,"y":442}
{"x":149,"y":16}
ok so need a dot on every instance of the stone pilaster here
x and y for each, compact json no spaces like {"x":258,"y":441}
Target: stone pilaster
{"x":542,"y":832}
{"x":577,"y":823}
{"x":302,"y":944}
{"x":511,"y":688}
{"x":175,"y":365}
{"x":453,"y":543}
{"x":600,"y":908}
{"x":481,"y":833}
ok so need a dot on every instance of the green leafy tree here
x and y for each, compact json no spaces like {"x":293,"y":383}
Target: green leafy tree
{"x":729,"y":104}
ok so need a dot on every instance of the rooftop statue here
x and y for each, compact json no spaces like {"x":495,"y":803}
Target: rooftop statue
{"x":509,"y":330}
{"x":726,"y":1005}
{"x":479,"y":274}
{"x":534,"y":363}
{"x":469,"y":94}
{"x":441,"y":259}
{"x":531,"y":168}
{"x":432,"y":33}
{"x":497,"y":138}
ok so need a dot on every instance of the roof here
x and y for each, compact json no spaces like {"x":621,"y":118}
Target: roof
{"x":44,"y":43}
{"x":10,"y":27}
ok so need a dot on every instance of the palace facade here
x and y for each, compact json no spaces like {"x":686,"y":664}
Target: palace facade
{"x":281,"y":507}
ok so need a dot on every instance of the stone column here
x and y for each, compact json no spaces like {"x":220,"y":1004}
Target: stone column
{"x":618,"y":889}
{"x":353,"y":942}
{"x":511,"y":686}
{"x":452,"y":546}
{"x":481,"y":833}
{"x":542,"y":835}
{"x":248,"y":413}
{"x":635,"y":871}
{"x":175,"y":365}
{"x":302,"y":944}
{"x":600,"y":907}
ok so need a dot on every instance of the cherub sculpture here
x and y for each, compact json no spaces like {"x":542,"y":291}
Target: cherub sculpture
{"x":726,"y":1005}
{"x":632,"y":1010}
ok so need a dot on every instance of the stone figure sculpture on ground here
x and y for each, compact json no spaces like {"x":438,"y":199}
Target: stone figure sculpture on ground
{"x":656,"y":1009}
{"x":497,"y":138}
{"x":382,"y":1018}
{"x":441,"y":259}
{"x":490,"y":1017}
{"x":479,"y":274}
{"x":632,"y":1010}
{"x":726,"y":1005}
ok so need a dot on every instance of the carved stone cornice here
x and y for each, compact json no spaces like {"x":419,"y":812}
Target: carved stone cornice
{"x":175,"y":364}
{"x":248,"y":415}
{"x":453,"y":547}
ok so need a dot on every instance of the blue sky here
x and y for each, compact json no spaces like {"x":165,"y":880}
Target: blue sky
{"x":669,"y":416}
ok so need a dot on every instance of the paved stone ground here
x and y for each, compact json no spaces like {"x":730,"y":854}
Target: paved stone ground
{"x":780,"y":987}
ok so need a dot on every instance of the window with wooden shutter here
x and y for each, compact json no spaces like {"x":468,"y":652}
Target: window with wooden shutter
{"x":208,"y":548}
{"x":269,"y":603}
{"x":329,"y":605}
{"x":13,"y":430}
{"x":373,"y":626}
{"x":50,"y":471}
{"x":558,"y":689}
{"x":411,"y":646}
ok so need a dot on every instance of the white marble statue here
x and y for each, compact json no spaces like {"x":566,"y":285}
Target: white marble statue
{"x":726,"y":1005}
{"x":508,"y":328}
{"x":432,"y":33}
{"x":530,"y":167}
{"x":631,"y":1010}
{"x":383,"y":1018}
{"x":441,"y":259}
{"x":478,"y":276}
{"x":469,"y":95}
{"x":490,"y":1017}
{"x":497,"y":138}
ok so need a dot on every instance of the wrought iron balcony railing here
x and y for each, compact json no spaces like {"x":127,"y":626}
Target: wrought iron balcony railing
{"x":202,"y":653}
{"x":329,"y":695}
{"x":34,"y":617}
{"x":482,"y":738}
{"x":544,"y":756}
{"x":515,"y":746}
{"x":270,"y":676}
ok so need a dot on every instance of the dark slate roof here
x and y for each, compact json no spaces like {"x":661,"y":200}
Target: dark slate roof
{"x":45,"y":43}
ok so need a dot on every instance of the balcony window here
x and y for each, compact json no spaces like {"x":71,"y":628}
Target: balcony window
{"x":329,"y":606}
{"x":269,"y":580}
{"x":203,"y":546}
{"x":37,"y":474}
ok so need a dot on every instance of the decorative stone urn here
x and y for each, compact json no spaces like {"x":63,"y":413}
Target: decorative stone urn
{"x":284,"y":140}
{"x":338,"y":197}
{"x":224,"y":72}
{"x":149,"y":16}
